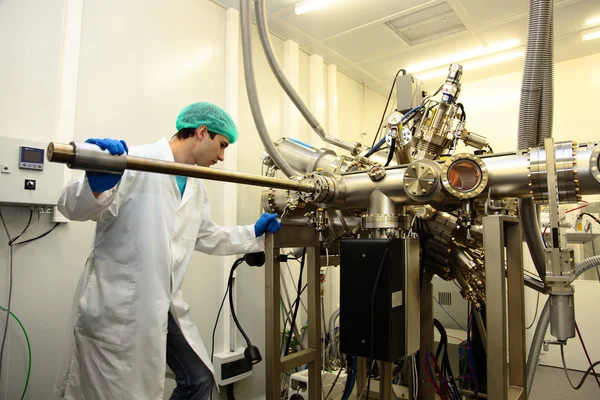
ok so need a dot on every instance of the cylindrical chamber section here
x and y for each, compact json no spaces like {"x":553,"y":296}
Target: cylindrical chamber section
{"x":305,"y":158}
{"x":562,"y":317}
{"x":586,"y":164}
{"x":507,"y":177}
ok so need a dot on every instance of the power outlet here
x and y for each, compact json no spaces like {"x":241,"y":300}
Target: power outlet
{"x":58,"y":217}
{"x":231,"y":367}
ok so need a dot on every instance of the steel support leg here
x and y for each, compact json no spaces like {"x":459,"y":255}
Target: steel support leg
{"x":503,"y":249}
{"x":292,"y":236}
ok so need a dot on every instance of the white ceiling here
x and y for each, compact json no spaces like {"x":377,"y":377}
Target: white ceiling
{"x":353,"y":35}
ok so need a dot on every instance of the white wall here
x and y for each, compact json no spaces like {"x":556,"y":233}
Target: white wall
{"x":492,"y":107}
{"x":44,"y":271}
{"x":137,"y":69}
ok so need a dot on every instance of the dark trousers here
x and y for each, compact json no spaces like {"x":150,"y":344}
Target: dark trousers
{"x":194,"y":379}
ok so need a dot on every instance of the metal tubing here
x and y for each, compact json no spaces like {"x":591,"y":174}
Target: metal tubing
{"x":535,"y":284}
{"x":380,"y":204}
{"x":481,"y":327}
{"x":332,"y":319}
{"x":67,"y":154}
{"x":305,"y":158}
{"x":263,"y":31}
{"x":508,"y":176}
{"x":527,"y":212}
{"x":531,"y":88}
{"x":259,"y":121}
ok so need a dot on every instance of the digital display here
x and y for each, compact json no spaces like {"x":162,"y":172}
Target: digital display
{"x":33,"y":156}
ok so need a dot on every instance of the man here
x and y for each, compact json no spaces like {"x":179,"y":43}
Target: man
{"x":129,"y":309}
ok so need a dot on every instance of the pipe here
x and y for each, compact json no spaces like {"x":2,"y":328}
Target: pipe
{"x":531,"y":110}
{"x":547,"y":95}
{"x":481,"y":327}
{"x":263,"y":31}
{"x":332,"y":319}
{"x":537,"y":343}
{"x":535,"y":284}
{"x":533,"y":236}
{"x":253,"y":96}
{"x":544,"y":321}
{"x":531,"y":87}
{"x":584,"y":266}
{"x":90,"y":158}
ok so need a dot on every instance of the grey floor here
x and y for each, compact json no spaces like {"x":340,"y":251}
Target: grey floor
{"x":551,"y":384}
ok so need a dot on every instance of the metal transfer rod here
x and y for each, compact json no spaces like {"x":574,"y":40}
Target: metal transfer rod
{"x":90,"y":158}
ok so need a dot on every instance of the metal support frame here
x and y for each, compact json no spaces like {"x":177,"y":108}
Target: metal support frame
{"x":292,"y":236}
{"x":426,"y":327}
{"x":505,"y":359}
{"x":384,"y":385}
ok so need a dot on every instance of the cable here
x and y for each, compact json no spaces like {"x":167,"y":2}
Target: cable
{"x":333,"y":384}
{"x":586,"y":352}
{"x":293,"y":321}
{"x":578,"y":208}
{"x":372,"y":344}
{"x":463,"y":115}
{"x":230,"y":395}
{"x":351,"y":380}
{"x":11,"y":241}
{"x":212,"y":352}
{"x":10,"y":287}
{"x":28,"y":349}
{"x":536,"y":311}
{"x":594,"y":250}
{"x":387,"y":104}
{"x":566,"y":212}
{"x":391,"y":154}
{"x":375,"y":148}
{"x":562,"y":357}
{"x":587,"y":372}
{"x":450,"y":315}
{"x":38,"y":237}
{"x":470,"y":353}
{"x":295,"y":288}
{"x":589,"y":215}
{"x":446,"y":369}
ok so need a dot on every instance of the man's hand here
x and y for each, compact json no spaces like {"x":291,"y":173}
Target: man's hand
{"x":101,"y":181}
{"x":266,"y":222}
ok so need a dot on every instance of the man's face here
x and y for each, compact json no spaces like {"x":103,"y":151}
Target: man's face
{"x":209,"y":151}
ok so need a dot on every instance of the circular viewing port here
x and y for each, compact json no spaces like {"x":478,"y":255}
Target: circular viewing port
{"x":464,"y":176}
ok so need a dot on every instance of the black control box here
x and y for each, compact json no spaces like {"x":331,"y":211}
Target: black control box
{"x":361,"y":261}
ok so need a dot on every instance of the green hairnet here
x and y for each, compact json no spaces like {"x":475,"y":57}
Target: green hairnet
{"x":214,"y":117}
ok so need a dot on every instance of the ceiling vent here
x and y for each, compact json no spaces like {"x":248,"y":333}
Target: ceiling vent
{"x":427,"y":24}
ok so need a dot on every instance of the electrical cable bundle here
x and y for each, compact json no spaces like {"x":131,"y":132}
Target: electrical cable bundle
{"x":446,"y":369}
{"x":352,"y":363}
{"x":297,"y":305}
{"x":470,"y":362}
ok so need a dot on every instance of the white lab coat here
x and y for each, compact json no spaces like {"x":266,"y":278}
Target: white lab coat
{"x":144,"y":239}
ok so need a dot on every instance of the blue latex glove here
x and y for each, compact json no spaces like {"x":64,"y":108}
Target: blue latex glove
{"x":101,"y":181}
{"x":266,"y":222}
